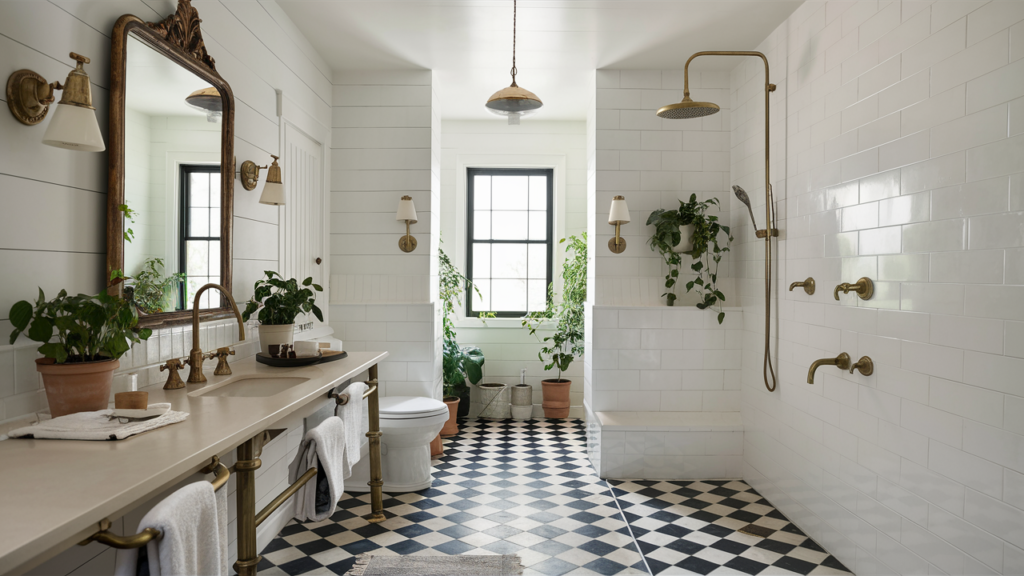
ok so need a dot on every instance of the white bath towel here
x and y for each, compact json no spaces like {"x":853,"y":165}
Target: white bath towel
{"x":352,"y":415}
{"x":96,"y":426}
{"x":193,"y":522}
{"x":324,"y":448}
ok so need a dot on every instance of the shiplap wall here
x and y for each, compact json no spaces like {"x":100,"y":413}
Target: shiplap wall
{"x":897,"y":154}
{"x":52,"y":230}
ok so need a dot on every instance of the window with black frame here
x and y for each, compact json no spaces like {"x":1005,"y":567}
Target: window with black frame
{"x":199,"y":252}
{"x":509,"y":248}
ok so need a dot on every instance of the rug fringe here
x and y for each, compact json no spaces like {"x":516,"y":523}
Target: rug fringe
{"x":362,"y":561}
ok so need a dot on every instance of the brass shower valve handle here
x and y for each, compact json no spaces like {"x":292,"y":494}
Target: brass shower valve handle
{"x":865,"y":365}
{"x":864,"y":288}
{"x":174,"y":381}
{"x":221,"y":355}
{"x":807,"y":285}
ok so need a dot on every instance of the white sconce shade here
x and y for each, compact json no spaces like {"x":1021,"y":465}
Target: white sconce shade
{"x":273,"y":194}
{"x":406,"y":210}
{"x":619,"y":212}
{"x":75,"y":128}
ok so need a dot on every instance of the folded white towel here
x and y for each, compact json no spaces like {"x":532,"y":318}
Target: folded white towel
{"x":306,"y":348}
{"x":352,"y":415}
{"x":324,"y":448}
{"x":96,"y":426}
{"x":193,"y":524}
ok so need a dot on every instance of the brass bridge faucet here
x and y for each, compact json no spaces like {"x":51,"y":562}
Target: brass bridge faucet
{"x":196,"y":356}
{"x":864,"y":288}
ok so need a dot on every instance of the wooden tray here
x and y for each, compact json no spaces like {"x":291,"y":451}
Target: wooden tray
{"x":332,"y":355}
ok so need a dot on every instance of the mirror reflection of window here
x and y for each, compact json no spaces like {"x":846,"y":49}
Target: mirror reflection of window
{"x":200,"y":238}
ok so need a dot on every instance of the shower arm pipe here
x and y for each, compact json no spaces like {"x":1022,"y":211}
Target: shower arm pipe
{"x":769,"y":208}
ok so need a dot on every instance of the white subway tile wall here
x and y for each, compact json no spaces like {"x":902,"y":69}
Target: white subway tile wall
{"x":895,"y":155}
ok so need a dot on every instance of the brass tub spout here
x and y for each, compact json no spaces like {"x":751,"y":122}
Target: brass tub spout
{"x":842,"y":362}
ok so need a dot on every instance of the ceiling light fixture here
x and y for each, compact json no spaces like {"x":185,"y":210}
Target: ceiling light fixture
{"x":207,"y":100}
{"x":513,"y":102}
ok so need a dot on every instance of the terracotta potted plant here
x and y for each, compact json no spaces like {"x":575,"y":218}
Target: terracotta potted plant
{"x":566,"y":343}
{"x":279,"y":302}
{"x":459,"y":363}
{"x":91,"y":333}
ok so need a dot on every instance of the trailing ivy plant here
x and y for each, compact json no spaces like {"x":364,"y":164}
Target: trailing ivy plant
{"x":566,"y":343}
{"x":87,"y":328}
{"x":149,"y":286}
{"x":279,"y":301}
{"x":706,"y":252}
{"x":459,"y":364}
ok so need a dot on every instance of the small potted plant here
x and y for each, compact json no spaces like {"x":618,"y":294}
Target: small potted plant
{"x":153,"y":293}
{"x":566,"y":343}
{"x":92,"y":333}
{"x":704,"y":249}
{"x":279,"y":302}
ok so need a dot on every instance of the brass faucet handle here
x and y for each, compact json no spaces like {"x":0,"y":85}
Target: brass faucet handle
{"x":865,"y":365}
{"x":864,"y":288}
{"x":843,"y":361}
{"x":172,"y":366}
{"x":845,"y":287}
{"x":221,"y":355}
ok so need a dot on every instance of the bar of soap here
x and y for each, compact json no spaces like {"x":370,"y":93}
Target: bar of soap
{"x":306,"y":348}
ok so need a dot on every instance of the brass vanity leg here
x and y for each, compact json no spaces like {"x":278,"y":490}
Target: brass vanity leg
{"x":376,"y":476}
{"x":245,"y":493}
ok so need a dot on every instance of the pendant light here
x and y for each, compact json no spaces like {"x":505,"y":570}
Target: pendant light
{"x":208,"y":101}
{"x":513,"y":102}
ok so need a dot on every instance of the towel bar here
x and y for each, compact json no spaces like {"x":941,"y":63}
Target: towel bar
{"x":149,"y":534}
{"x":343,"y":398}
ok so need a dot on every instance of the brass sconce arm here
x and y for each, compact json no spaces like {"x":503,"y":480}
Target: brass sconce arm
{"x":807,"y":285}
{"x":864,"y":288}
{"x":842,"y":362}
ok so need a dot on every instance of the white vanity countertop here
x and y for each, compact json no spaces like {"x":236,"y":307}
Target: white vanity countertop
{"x":53,"y":493}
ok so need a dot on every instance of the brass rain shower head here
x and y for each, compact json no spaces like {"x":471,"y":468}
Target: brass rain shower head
{"x":688,"y":109}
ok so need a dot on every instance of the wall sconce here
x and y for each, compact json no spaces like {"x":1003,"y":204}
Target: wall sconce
{"x":407,"y":212}
{"x":618,"y":215}
{"x":273,"y":190}
{"x":74,"y":125}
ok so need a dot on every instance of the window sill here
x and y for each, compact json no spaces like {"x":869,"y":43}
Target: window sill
{"x":516,"y":323}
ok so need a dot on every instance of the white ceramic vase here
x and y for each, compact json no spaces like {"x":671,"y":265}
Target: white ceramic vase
{"x":495,"y":400}
{"x":686,"y":242}
{"x":276,"y":334}
{"x":522,"y":402}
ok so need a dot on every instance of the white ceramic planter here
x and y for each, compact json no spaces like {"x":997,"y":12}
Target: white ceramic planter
{"x":686,"y":242}
{"x":275,"y":334}
{"x":522,"y":412}
{"x":495,"y":401}
{"x":522,"y":402}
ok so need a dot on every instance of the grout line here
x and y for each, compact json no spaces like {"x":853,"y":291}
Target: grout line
{"x":629,"y":528}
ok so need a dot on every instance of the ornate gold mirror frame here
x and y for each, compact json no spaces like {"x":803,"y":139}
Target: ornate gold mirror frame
{"x":180,"y":39}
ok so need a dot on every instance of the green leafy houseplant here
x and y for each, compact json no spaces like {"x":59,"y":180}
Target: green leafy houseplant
{"x":149,"y":289}
{"x":280,"y":301}
{"x":706,"y":252}
{"x":87,"y":328}
{"x":566,"y":343}
{"x":460,"y":364}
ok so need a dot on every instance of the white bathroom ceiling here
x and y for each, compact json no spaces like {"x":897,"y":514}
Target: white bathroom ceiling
{"x":469,"y":42}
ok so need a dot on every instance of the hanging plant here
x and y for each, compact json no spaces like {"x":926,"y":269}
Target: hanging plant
{"x":706,"y":252}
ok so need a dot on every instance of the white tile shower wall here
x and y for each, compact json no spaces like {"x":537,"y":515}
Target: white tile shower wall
{"x":677,"y":359}
{"x":654,"y":163}
{"x":257,"y":50}
{"x":509,"y":349}
{"x":897,"y":154}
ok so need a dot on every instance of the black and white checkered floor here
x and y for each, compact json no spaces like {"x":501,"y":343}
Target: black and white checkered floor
{"x":527,"y":488}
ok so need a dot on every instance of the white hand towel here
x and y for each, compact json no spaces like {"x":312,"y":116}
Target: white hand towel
{"x":193,"y":524}
{"x":324,"y":448}
{"x":352,"y":415}
{"x":96,"y":426}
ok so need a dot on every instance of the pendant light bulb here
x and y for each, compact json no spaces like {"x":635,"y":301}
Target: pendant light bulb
{"x":513,"y":102}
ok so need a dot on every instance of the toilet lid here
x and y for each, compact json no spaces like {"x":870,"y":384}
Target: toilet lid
{"x":409,"y":406}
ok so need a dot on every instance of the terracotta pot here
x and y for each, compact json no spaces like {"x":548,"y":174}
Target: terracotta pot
{"x":76,"y":386}
{"x":451,"y":427}
{"x":276,"y":334}
{"x":556,"y":398}
{"x":436,"y":447}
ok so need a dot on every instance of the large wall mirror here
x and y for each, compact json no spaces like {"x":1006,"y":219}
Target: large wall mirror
{"x":171,"y":175}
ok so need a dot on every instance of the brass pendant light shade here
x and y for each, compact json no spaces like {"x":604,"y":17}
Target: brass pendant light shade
{"x":513,"y":102}
{"x":207,"y":100}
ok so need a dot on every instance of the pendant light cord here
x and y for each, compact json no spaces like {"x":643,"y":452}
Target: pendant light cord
{"x":514,"y":43}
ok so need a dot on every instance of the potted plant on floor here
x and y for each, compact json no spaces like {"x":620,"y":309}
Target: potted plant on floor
{"x":279,"y":302}
{"x":152,"y":293}
{"x":705,"y":251}
{"x":92,"y":333}
{"x":566,"y":343}
{"x":459,"y":363}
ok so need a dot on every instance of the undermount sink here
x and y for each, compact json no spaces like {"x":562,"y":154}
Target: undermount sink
{"x":250,"y":387}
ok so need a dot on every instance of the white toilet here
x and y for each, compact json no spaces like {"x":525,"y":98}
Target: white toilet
{"x":407,"y":425}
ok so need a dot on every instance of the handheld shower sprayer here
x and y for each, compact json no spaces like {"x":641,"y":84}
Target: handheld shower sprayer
{"x":742,"y":195}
